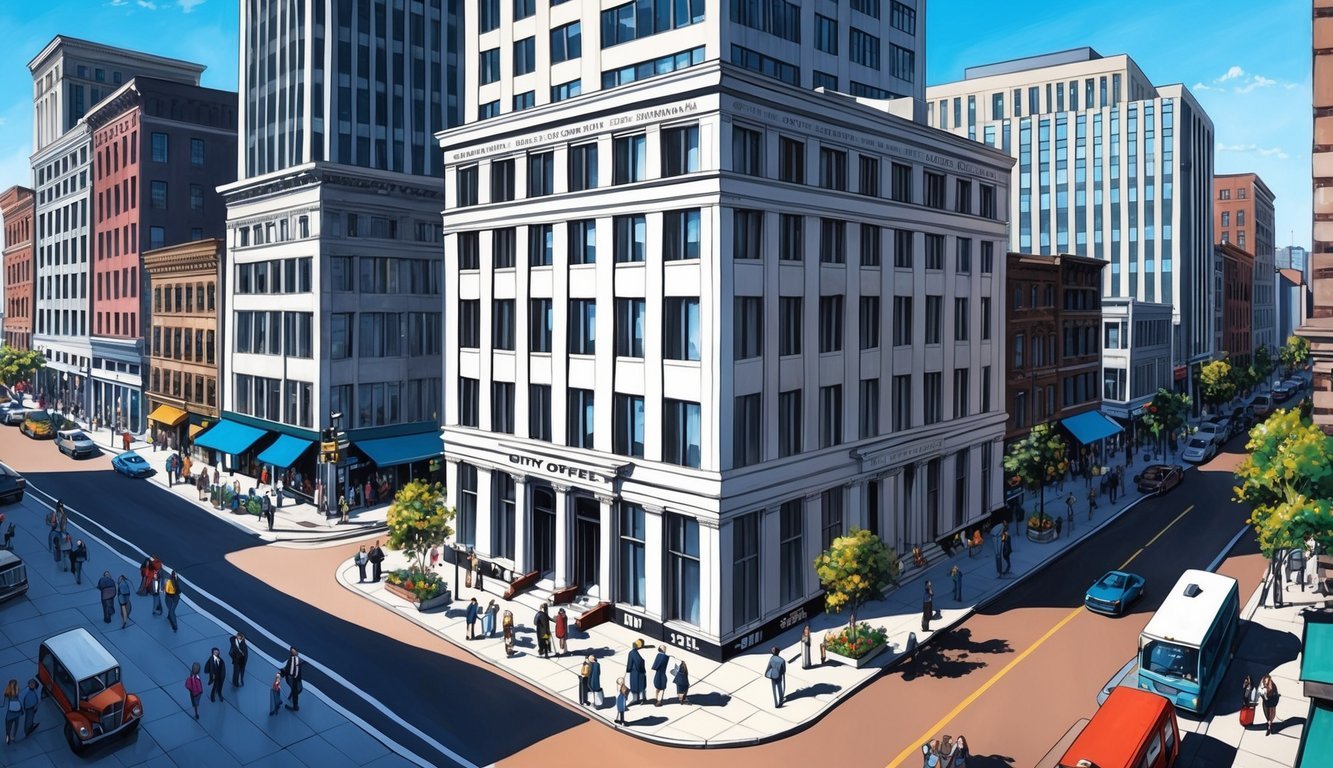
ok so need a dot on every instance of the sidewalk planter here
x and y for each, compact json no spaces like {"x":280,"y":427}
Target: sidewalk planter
{"x":422,"y":589}
{"x":857,"y":662}
{"x":856,"y":647}
{"x":1041,"y":531}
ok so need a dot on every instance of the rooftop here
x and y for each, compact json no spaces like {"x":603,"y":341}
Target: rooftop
{"x":1039,"y":61}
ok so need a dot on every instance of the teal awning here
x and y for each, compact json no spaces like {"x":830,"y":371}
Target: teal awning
{"x":285,"y":451}
{"x":1317,"y":737}
{"x":229,"y":437}
{"x":1088,"y":428}
{"x":391,"y":451}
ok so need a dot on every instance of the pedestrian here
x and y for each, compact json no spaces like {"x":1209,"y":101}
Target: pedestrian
{"x":595,"y":681}
{"x":216,"y":669}
{"x":62,"y":517}
{"x":561,"y":630}
{"x":1111,"y":485}
{"x":1268,"y":696}
{"x":507,"y":627}
{"x":680,"y":675}
{"x":172,"y":589}
{"x":343,"y":508}
{"x":472,"y":610}
{"x":956,"y":574}
{"x":958,"y":755}
{"x":1069,"y":504}
{"x":269,"y":512}
{"x":106,"y":587}
{"x":78,"y":558}
{"x":931,"y":753}
{"x":636,"y":672}
{"x":171,"y":470}
{"x":240,"y":656}
{"x":66,"y":547}
{"x":125,"y":439}
{"x":541,"y":625}
{"x":776,"y":672}
{"x":622,"y":701}
{"x":196,"y":688}
{"x":202,"y":486}
{"x":1006,"y":551}
{"x":279,"y":485}
{"x":186,"y":465}
{"x":488,"y":619}
{"x":292,"y":672}
{"x":31,"y":698}
{"x":360,"y":559}
{"x":584,"y":671}
{"x":156,"y":587}
{"x":805,"y":647}
{"x":660,"y":662}
{"x":1092,"y":502}
{"x":376,"y":557}
{"x":53,"y":542}
{"x":13,"y":710}
{"x":145,"y":573}
{"x":217,"y":477}
{"x":1058,"y":524}
{"x":263,"y":478}
{"x":275,"y":694}
{"x":123,"y":594}
{"x":927,"y":606}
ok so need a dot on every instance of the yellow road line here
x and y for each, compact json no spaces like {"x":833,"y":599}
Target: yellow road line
{"x":915,"y":747}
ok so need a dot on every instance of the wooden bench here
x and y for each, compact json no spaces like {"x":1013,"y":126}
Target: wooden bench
{"x":565,"y":595}
{"x":598,"y":614}
{"x":521,"y":583}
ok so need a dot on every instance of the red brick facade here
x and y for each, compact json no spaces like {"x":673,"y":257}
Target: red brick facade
{"x":16,"y":206}
{"x":1237,"y":304}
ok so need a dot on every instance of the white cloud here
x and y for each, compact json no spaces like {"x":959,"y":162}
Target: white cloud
{"x":149,"y":4}
{"x":1200,"y":86}
{"x":189,"y":5}
{"x":1254,"y":149}
{"x":1257,"y":81}
{"x":1231,"y":74}
{"x":1239,"y":81}
{"x":118,"y":3}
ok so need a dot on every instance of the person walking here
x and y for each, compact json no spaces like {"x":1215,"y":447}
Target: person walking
{"x":201,"y":485}
{"x":595,"y":681}
{"x":53,"y":542}
{"x":927,"y":606}
{"x":488,"y":619}
{"x":1069,"y":505}
{"x":561,"y":630}
{"x":541,"y":625}
{"x":216,"y":669}
{"x":13,"y":710}
{"x":584,"y":671}
{"x":622,"y":701}
{"x":360,"y":559}
{"x":31,"y":698}
{"x":472,"y":610}
{"x":155,"y":588}
{"x":680,"y":675}
{"x":171,"y":470}
{"x":292,"y":672}
{"x":66,"y":547}
{"x":172,"y":589}
{"x":275,"y":695}
{"x":62,"y":517}
{"x":239,"y":651}
{"x":805,"y":647}
{"x":1006,"y":551}
{"x":78,"y":558}
{"x":123,"y":595}
{"x":507,"y":628}
{"x":1111,"y":485}
{"x":637,"y":673}
{"x":106,"y":588}
{"x":1268,"y":696}
{"x":958,"y":754}
{"x":376,"y":557}
{"x":196,"y":688}
{"x":660,"y":662}
{"x":776,"y":672}
{"x":125,"y":439}
{"x":1092,"y":502}
{"x":956,"y":575}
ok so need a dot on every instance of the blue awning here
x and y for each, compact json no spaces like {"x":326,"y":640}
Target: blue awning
{"x":285,"y":451}
{"x":229,"y":437}
{"x":391,"y":451}
{"x":1088,"y":428}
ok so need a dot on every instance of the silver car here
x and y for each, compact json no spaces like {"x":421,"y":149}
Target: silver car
{"x":1199,"y":450}
{"x":75,"y":443}
{"x":12,"y":413}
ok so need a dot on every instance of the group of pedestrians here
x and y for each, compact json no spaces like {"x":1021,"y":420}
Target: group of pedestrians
{"x":22,"y":705}
{"x":945,"y":753}
{"x":633,"y":687}
{"x":1252,"y":696}
{"x":215,"y":669}
{"x":374,"y":558}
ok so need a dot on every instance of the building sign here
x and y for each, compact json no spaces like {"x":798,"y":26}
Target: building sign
{"x":617,"y":122}
{"x":796,"y":617}
{"x":887,"y":146}
{"x":654,"y":629}
{"x":560,"y":470}
{"x":892,"y":457}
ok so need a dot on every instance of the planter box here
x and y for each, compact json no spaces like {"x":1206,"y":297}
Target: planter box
{"x":1041,"y":537}
{"x":444,"y":598}
{"x":848,"y":661}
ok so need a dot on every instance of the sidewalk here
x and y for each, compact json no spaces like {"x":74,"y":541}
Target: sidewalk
{"x":731,"y":703}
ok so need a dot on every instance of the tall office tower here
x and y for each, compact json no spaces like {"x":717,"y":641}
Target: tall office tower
{"x":1318,"y":329}
{"x":16,"y":209}
{"x":704,"y":321}
{"x":1243,"y":218}
{"x":1109,"y":166}
{"x":333,"y":263}
{"x":69,"y":77}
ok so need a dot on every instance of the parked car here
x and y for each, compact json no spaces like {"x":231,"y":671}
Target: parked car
{"x":13,"y":575}
{"x":83,"y":679}
{"x":1199,"y":449}
{"x":1282,"y":391}
{"x":1159,"y":478}
{"x":1114,"y":592}
{"x":13,"y":412}
{"x":12,"y":484}
{"x":131,"y":464}
{"x":1242,"y":419}
{"x":1262,"y":404}
{"x":37,"y":424}
{"x":75,"y":443}
{"x":1217,"y":431}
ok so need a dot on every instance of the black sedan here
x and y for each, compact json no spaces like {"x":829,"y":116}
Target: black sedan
{"x":1159,"y":478}
{"x":12,"y":484}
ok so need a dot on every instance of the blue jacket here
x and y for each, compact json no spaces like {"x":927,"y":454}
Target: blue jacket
{"x":638,"y":674}
{"x":472,"y":609}
{"x":595,"y":676}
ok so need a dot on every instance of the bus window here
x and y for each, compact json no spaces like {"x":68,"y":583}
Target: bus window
{"x":1171,"y":660}
{"x":1154,"y":751}
{"x":1169,"y":736}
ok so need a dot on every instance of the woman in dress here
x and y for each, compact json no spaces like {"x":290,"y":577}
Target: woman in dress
{"x":1268,"y":695}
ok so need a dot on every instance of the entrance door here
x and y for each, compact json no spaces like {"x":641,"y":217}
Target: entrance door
{"x":543,"y":530}
{"x":587,"y":542}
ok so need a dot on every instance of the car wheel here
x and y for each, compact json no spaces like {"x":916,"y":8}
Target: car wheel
{"x":75,"y":745}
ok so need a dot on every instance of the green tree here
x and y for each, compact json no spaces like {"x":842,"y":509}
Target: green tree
{"x":1165,"y":414}
{"x":1295,"y":353}
{"x":19,"y":364}
{"x":418,"y":519}
{"x":855,"y":569}
{"x":1217,"y":382}
{"x":1287,"y":479}
{"x":1036,"y":461}
{"x":1262,"y":364}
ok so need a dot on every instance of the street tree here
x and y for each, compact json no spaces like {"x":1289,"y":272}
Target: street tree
{"x":1165,"y":414}
{"x":418,"y":520}
{"x":1036,"y":461}
{"x":1287,"y":479}
{"x":854,"y":570}
{"x":1217,"y":382}
{"x":1262,"y":364}
{"x":1295,"y":353}
{"x":19,"y":364}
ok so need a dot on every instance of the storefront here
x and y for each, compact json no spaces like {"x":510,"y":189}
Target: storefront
{"x":291,"y":458}
{"x":167,"y":424}
{"x":231,"y":439}
{"x":378,"y":467}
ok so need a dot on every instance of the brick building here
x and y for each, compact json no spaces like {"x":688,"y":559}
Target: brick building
{"x":1236,"y":299}
{"x":1319,"y":327}
{"x":1243,"y":217}
{"x":17,"y":210}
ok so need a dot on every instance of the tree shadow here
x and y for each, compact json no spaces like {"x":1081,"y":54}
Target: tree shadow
{"x":818,"y":689}
{"x":710,"y":699}
{"x":1261,"y":651}
{"x":949,"y":654}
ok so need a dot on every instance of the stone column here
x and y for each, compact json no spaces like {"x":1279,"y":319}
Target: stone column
{"x":481,"y":530}
{"x":561,"y":535}
{"x":856,"y":505}
{"x":712,"y":580}
{"x":522,"y":547}
{"x":606,"y":530}
{"x":654,"y":550}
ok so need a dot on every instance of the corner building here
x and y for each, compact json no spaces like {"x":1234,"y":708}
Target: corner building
{"x":706,"y":323}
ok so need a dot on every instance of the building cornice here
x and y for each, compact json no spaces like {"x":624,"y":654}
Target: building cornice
{"x":388,"y":183}
{"x":197,"y":257}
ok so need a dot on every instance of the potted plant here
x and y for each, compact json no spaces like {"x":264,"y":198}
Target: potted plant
{"x":856,"y":568}
{"x":418,"y":520}
{"x":1041,"y":529}
{"x":856,"y":645}
{"x":423,"y":589}
{"x":253,"y":506}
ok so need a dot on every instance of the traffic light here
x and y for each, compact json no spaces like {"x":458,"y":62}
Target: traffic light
{"x":328,"y":451}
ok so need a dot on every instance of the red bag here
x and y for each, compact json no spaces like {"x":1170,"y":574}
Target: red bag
{"x":1247,"y":716}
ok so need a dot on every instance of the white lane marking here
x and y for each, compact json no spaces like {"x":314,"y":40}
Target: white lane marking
{"x":352,"y":717}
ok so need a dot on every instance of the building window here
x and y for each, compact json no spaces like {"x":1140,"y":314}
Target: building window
{"x":830,"y":516}
{"x":868,"y":181}
{"x":830,"y":324}
{"x":197,"y":152}
{"x":826,"y":34}
{"x":683,"y":568}
{"x":902,"y":249}
{"x":680,"y":150}
{"x":524,"y":8}
{"x":642,"y":18}
{"x":502,"y":324}
{"x":158,"y":195}
{"x":869,"y":409}
{"x":832,"y":241}
{"x":539,"y":412}
{"x":489,"y":66}
{"x":872,"y":245}
{"x":747,"y":151}
{"x":569,"y":90}
{"x":630,"y":159}
{"x":469,"y":402}
{"x":932,"y":410}
{"x":790,"y":325}
{"x":864,"y":48}
{"x":902,"y":402}
{"x":934,"y":319}
{"x":466,"y":183}
{"x":681,"y":437}
{"x":566,"y":43}
{"x":791,"y":538}
{"x":488,"y":15}
{"x":632,"y":583}
{"x":525,"y":100}
{"x":934,"y":251}
{"x":540,"y":322}
{"x":629,"y":327}
{"x":582,"y":326}
{"x":747,"y":438}
{"x":960,"y":319}
{"x":870,"y":322}
{"x":157,"y":237}
{"x":541,"y":244}
{"x":582,"y":167}
{"x":745,"y":569}
{"x":583,"y":241}
{"x":961,"y":395}
{"x":748,"y":327}
{"x":901,"y":183}
{"x":791,"y":160}
{"x":627,"y":439}
{"x":987,"y":257}
{"x":902,"y":321}
{"x":541,"y":174}
{"x":502,"y":181}
{"x":680,"y":235}
{"x":832,"y":169}
{"x":158,"y":148}
{"x":525,"y":56}
{"x":987,"y":206}
{"x":630,"y":238}
{"x":830,"y":416}
{"x":504,"y":515}
{"x":960,"y":460}
{"x":791,"y":422}
{"x":488,"y":109}
{"x":791,"y":237}
{"x":985,"y":318}
{"x":580,"y":418}
{"x":682,"y":329}
{"x":934,"y":190}
{"x":502,"y":407}
{"x":467,"y":505}
{"x":747,"y":233}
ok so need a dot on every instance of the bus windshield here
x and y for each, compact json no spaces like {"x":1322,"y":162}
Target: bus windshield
{"x":1171,"y":660}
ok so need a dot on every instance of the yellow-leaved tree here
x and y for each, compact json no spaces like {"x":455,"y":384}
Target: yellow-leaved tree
{"x":1288,"y":481}
{"x":855,"y":568}
{"x":418,"y":520}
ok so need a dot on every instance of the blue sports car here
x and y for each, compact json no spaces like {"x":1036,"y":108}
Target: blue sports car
{"x":1113,"y":592}
{"x":131,"y":464}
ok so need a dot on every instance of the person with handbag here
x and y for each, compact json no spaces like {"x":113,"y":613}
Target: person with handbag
{"x":1268,"y":696}
{"x":195,"y":686}
{"x":172,"y":589}
{"x":1249,"y":697}
{"x":561,"y":630}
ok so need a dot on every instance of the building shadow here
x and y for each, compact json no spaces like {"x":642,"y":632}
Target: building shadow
{"x":1199,"y":750}
{"x":1261,"y":650}
{"x":950,"y":654}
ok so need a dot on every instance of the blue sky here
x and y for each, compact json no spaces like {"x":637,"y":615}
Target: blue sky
{"x":1247,"y":63}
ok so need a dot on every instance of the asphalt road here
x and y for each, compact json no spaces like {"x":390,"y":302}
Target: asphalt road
{"x":455,"y":703}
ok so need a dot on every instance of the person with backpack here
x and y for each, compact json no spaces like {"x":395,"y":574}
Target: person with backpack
{"x":172,"y":589}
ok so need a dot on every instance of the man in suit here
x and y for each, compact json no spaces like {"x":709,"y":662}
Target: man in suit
{"x":240,"y":654}
{"x":541,"y":624}
{"x":216,"y":669}
{"x":376,"y":557}
{"x":776,"y":672}
{"x":292,"y":672}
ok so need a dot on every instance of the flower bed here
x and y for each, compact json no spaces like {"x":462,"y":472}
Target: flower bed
{"x":855,"y":647}
{"x":426,"y":590}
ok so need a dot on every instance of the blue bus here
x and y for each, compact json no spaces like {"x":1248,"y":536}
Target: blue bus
{"x":1186,"y":647}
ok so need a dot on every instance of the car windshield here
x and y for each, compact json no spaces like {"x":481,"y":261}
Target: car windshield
{"x":1154,"y":473}
{"x":134,"y":460}
{"x":94,"y":685}
{"x":77,"y":436}
{"x":1171,"y":660}
{"x":1113,"y":581}
{"x":1198,"y":442}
